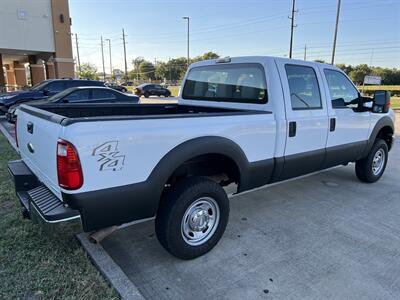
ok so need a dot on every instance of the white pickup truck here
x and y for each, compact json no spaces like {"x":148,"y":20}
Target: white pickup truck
{"x":249,"y":121}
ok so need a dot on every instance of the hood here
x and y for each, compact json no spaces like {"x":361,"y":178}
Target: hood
{"x":12,"y":97}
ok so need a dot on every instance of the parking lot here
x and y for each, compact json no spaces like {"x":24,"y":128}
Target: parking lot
{"x":322,"y":236}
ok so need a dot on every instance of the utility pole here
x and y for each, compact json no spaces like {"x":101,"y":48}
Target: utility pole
{"x":188,"y":38}
{"x":109,"y":50}
{"x":170,"y":71}
{"x":102,"y":59}
{"x":77,"y":52}
{"x":126,"y":66}
{"x":305,"y":52}
{"x":336,"y":30}
{"x":292,"y":26}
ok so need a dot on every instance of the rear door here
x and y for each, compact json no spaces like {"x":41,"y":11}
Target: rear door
{"x":38,"y":132}
{"x":306,"y":116}
{"x":349,"y":127}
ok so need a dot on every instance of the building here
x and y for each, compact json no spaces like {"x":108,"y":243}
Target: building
{"x":35,"y":42}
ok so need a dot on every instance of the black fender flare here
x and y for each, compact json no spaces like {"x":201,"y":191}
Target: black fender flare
{"x":386,"y":121}
{"x":193,"y":148}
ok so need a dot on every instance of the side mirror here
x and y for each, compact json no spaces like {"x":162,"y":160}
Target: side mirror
{"x":46,"y":92}
{"x":381,"y":102}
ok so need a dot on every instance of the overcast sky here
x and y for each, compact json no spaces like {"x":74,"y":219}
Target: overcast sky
{"x":369,"y":30}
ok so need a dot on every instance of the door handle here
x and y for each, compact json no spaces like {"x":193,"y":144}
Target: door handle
{"x":332,"y":124}
{"x":29,"y":127}
{"x":292,"y":129}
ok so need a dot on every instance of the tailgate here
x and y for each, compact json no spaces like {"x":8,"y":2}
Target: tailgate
{"x":37,"y":133}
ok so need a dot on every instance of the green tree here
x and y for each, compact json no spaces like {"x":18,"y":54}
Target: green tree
{"x":88,"y":71}
{"x":359,"y":72}
{"x":146,"y":70}
{"x":345,"y":68}
{"x":210,"y":55}
{"x":134,"y":74}
{"x":162,"y":71}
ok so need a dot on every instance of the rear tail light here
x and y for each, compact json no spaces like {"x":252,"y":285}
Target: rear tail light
{"x":69,"y":168}
{"x":15,"y":132}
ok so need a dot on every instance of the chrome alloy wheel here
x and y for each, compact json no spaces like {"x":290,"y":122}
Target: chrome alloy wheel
{"x":200,"y":221}
{"x":378,"y":162}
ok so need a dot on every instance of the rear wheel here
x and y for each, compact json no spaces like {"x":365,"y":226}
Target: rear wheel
{"x":192,"y":217}
{"x":167,"y":94}
{"x":371,"y":168}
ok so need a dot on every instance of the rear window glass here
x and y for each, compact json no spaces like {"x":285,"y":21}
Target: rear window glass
{"x":243,"y":83}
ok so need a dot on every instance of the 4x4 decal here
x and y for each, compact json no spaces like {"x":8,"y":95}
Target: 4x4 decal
{"x":109,"y":157}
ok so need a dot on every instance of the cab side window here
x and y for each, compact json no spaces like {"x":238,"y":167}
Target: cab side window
{"x":55,"y":87}
{"x":78,"y":96}
{"x":304,"y":88}
{"x":102,"y":94}
{"x":342,"y":91}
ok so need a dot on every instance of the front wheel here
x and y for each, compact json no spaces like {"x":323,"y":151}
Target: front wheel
{"x":192,"y":217}
{"x":371,"y":168}
{"x":147,"y":95}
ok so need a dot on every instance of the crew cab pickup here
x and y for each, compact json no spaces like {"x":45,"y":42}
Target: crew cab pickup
{"x":244,"y":122}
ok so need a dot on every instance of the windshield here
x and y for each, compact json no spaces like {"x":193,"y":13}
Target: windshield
{"x":60,"y":95}
{"x":39,"y":85}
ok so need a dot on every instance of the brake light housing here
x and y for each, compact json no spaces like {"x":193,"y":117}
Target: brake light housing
{"x":69,"y":170}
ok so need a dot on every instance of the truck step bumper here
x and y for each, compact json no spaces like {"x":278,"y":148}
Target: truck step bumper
{"x":35,"y":196}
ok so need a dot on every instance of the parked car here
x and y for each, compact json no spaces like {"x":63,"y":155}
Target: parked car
{"x":149,"y":89}
{"x":117,"y":87}
{"x":42,"y":90}
{"x":248,"y":121}
{"x":90,"y":94}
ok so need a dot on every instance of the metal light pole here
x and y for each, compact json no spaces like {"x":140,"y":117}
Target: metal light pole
{"x":126,"y":65}
{"x":109,"y":50}
{"x":188,"y":38}
{"x":336,"y":30}
{"x":77,"y":52}
{"x":102,"y":59}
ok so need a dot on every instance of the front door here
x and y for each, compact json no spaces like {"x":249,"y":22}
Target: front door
{"x":307,"y":119}
{"x":349,"y":127}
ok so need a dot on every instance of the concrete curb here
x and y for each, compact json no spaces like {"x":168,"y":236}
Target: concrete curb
{"x":109,"y":269}
{"x":10,"y":139}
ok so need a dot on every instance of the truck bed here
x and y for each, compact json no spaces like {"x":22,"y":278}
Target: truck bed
{"x":72,"y":113}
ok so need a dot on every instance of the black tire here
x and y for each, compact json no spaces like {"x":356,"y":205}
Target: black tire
{"x":174,"y":206}
{"x":167,"y":94}
{"x":364,"y":167}
{"x":146,"y":95}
